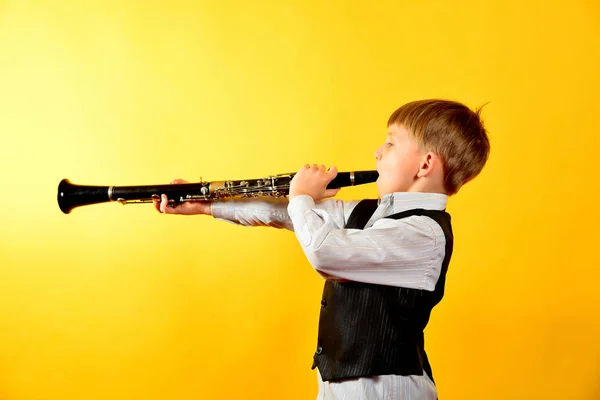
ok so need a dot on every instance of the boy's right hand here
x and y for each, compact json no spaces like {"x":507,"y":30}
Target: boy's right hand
{"x":185,"y":208}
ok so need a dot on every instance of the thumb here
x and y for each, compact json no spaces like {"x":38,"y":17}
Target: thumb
{"x":331,"y":192}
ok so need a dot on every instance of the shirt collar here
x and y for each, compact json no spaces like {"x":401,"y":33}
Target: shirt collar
{"x":402,"y":201}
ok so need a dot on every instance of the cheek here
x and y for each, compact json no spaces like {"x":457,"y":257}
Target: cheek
{"x":394,"y":160}
{"x":400,"y":166}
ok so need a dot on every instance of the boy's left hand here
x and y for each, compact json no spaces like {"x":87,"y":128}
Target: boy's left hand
{"x":313,"y":181}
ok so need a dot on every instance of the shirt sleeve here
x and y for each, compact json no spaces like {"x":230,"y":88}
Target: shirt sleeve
{"x":273,"y":212}
{"x":405,"y":253}
{"x":267,"y":211}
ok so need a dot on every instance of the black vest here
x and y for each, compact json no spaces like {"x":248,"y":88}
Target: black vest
{"x":368,"y":329}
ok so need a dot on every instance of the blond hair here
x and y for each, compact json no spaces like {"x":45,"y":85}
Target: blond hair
{"x":452,"y":131}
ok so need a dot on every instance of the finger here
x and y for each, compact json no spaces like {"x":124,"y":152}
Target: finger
{"x":156,"y":205}
{"x":322,"y":169}
{"x":178,"y":181}
{"x":332,"y":171}
{"x":331,"y":192}
{"x":163,"y":203}
{"x":315,"y":167}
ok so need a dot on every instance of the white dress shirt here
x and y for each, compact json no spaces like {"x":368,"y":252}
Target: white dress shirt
{"x":404,"y":253}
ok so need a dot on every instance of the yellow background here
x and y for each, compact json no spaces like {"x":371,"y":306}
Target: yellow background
{"x":115,"y":302}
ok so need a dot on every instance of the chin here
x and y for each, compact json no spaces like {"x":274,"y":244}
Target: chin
{"x":378,"y":187}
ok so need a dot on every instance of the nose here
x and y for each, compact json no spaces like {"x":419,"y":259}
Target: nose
{"x":378,"y":154}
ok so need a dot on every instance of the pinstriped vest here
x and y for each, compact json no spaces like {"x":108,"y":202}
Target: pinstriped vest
{"x":368,"y":329}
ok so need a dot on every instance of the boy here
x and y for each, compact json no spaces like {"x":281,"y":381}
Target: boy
{"x":384,"y":261}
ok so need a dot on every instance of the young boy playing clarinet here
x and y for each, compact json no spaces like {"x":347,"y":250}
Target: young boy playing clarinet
{"x":384,"y":261}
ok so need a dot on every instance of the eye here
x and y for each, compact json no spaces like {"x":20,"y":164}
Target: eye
{"x":388,"y":144}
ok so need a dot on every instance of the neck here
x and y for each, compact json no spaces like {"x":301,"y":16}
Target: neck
{"x":427,"y":186}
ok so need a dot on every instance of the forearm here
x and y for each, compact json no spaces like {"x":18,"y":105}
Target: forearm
{"x":266,"y":211}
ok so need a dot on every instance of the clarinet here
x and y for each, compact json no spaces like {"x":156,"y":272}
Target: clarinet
{"x":71,"y":196}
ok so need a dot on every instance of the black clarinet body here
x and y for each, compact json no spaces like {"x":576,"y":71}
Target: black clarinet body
{"x":71,"y":195}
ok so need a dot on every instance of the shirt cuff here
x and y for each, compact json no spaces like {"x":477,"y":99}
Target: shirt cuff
{"x":297,"y":209}
{"x":218,"y":209}
{"x":299,"y":204}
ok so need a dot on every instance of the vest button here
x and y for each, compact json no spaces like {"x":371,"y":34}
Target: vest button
{"x":319,"y":350}
{"x":323,"y":303}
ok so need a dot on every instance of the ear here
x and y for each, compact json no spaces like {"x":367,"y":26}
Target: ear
{"x":430,"y":162}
